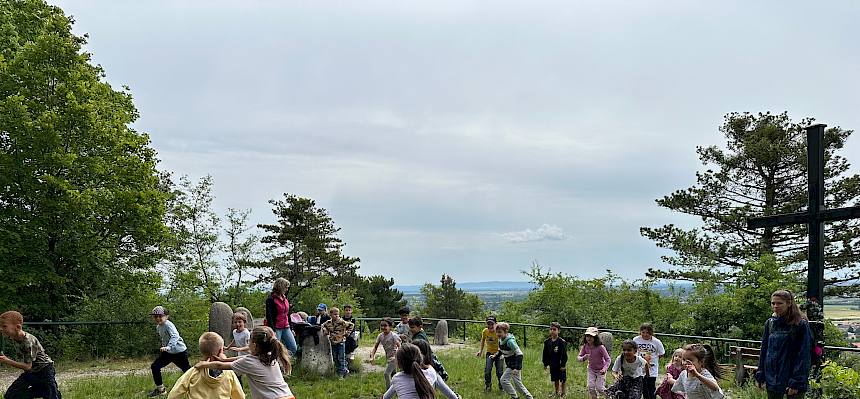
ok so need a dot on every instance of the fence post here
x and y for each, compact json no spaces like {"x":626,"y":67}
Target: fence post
{"x":525,"y":343}
{"x":464,"y":331}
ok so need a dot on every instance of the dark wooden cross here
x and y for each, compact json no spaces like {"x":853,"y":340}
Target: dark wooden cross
{"x":815,"y":215}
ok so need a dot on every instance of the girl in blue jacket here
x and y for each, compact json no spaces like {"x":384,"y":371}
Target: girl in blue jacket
{"x":783,"y":366}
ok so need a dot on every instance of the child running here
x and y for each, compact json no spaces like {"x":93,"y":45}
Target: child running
{"x":241,"y":335}
{"x":511,"y":378}
{"x":411,"y":382}
{"x":38,"y":379}
{"x":598,"y":359}
{"x":629,"y":369}
{"x":173,"y":349}
{"x":390,"y":343}
{"x":263,"y":366}
{"x":673,"y":370}
{"x":489,"y":338}
{"x":430,"y":373}
{"x":555,"y":357}
{"x":699,"y":378}
{"x":402,"y":328}
{"x":651,"y":350}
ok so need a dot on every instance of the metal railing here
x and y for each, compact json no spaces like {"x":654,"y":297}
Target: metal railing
{"x":524,"y":330}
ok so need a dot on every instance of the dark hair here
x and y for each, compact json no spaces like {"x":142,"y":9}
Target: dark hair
{"x":629,"y":344}
{"x":556,"y":325}
{"x":426,"y":351}
{"x":347,"y":306}
{"x":647,"y":327}
{"x":416,"y":322}
{"x":794,"y":316}
{"x":596,"y":340}
{"x":403,"y":311}
{"x":269,"y":349}
{"x":705,"y":353}
{"x":386,"y":320}
{"x":409,"y":360}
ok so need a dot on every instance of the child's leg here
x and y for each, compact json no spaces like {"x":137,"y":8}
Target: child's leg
{"x":506,"y":383}
{"x":649,"y":388}
{"x":488,"y":371}
{"x":181,"y":361}
{"x":156,"y":366}
{"x":635,"y":388}
{"x":340,"y":358}
{"x":390,"y":369}
{"x":600,"y":384}
{"x":564,"y":386}
{"x":20,"y":388}
{"x":518,"y":383}
{"x":500,"y":368}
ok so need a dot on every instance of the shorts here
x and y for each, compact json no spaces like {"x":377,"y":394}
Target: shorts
{"x":557,"y":374}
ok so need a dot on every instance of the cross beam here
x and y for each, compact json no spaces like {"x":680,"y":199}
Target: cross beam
{"x":815,"y":214}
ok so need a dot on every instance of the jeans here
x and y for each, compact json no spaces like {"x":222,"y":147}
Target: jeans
{"x":781,"y":395}
{"x":649,"y":388}
{"x":179,"y":359}
{"x":39,"y":384}
{"x":285,"y":335}
{"x":338,"y":351}
{"x":488,"y":370}
{"x":512,"y":382}
{"x":390,"y":369}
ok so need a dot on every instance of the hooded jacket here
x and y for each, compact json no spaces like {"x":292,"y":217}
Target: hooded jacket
{"x":198,"y":384}
{"x":785,"y":357}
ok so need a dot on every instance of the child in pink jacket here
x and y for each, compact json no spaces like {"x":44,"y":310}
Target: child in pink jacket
{"x":598,"y":362}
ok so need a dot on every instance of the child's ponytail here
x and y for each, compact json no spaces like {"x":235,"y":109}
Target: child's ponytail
{"x":409,"y":360}
{"x":269,"y":349}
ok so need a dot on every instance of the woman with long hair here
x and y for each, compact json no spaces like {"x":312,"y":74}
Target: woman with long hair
{"x":278,"y":314}
{"x":785,"y":359}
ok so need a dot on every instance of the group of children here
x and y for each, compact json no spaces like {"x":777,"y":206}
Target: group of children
{"x":692,"y":373}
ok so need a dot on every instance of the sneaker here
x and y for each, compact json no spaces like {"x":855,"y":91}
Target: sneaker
{"x":158,"y":391}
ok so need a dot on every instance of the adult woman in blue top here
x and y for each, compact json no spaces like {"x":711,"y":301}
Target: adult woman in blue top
{"x":783,"y":366}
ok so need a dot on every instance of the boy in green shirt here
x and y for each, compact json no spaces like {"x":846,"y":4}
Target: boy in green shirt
{"x":39,"y":377}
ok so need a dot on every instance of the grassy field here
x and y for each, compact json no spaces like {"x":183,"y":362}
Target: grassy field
{"x":465,"y":369}
{"x":842,"y":312}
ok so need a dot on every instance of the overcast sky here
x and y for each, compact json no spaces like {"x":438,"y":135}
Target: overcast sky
{"x":470,"y":137}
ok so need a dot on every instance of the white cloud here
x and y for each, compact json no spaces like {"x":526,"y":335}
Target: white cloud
{"x":546,"y":232}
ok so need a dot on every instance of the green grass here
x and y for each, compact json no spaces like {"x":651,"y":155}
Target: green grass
{"x":842,"y":312}
{"x":466,"y":378}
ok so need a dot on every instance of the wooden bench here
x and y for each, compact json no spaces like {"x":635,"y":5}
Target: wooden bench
{"x":741,"y":355}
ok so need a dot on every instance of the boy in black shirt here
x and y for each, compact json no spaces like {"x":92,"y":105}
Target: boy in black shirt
{"x":555,"y":357}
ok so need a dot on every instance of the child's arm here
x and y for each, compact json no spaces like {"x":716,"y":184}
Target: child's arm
{"x":582,"y":355}
{"x":18,"y":365}
{"x":232,"y":342}
{"x":607,"y":360}
{"x":174,"y":337}
{"x":220,"y":365}
{"x":691,"y":370}
{"x":481,"y":350}
{"x":373,"y":352}
{"x":241,"y":348}
{"x":546,"y":355}
{"x":563,"y":350}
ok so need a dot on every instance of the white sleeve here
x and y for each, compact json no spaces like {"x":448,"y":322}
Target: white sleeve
{"x":678,"y":387}
{"x":661,"y":351}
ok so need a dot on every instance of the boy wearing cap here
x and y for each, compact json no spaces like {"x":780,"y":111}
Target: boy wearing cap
{"x":39,"y":378}
{"x":173,"y":350}
{"x":555,"y":357}
{"x":321,"y":316}
{"x":488,"y":338}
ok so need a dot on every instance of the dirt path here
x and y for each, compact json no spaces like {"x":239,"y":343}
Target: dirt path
{"x":69,"y":372}
{"x":363,"y":353}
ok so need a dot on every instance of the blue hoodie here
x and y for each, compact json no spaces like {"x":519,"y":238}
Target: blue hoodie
{"x":785,"y":357}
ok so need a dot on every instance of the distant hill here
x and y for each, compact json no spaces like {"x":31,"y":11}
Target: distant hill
{"x":481,"y":286}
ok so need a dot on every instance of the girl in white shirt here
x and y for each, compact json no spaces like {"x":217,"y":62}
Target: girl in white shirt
{"x":699,"y":379}
{"x":411,"y":382}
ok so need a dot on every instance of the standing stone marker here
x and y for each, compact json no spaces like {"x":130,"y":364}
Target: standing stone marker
{"x":317,"y":358}
{"x":440,"y":334}
{"x":606,"y":340}
{"x":221,"y":320}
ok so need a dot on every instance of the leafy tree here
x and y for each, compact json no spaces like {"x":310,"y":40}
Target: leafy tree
{"x":762,"y":171}
{"x":244,"y":255}
{"x":81,"y":206}
{"x":449,"y":302}
{"x":305,"y":246}
{"x":377,"y":296}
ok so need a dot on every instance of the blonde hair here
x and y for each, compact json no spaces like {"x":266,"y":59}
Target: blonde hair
{"x":280,"y":286}
{"x":210,"y":344}
{"x":12,"y":317}
{"x":503,"y":326}
{"x":678,"y":352}
{"x":303,"y":315}
{"x":333,"y":310}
